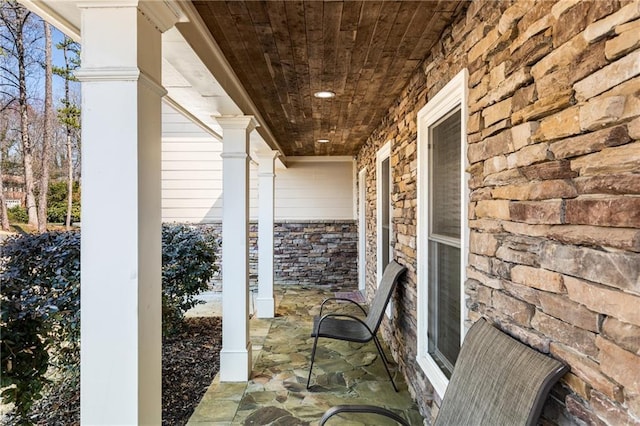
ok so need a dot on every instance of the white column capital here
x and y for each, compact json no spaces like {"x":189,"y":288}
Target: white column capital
{"x":107,"y":74}
{"x":236,"y":155}
{"x":237,"y":122}
{"x":162,"y":14}
{"x":266,"y":163}
{"x":86,"y":74}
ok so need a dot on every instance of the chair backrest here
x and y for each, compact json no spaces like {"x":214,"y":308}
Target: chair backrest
{"x":497,"y":380}
{"x":387,"y":284}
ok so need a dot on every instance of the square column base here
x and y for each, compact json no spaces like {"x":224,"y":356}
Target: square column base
{"x":237,"y":365}
{"x":265,"y":307}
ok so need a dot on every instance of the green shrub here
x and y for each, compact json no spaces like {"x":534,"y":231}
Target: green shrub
{"x":58,"y":192}
{"x":57,"y":203}
{"x":18,"y":214}
{"x":188,"y":257}
{"x":57,"y":213}
{"x":39,"y":312}
{"x":40,"y":303}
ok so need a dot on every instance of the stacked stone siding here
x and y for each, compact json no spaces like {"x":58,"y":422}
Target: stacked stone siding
{"x":305,"y":252}
{"x":316,"y":253}
{"x":554,"y":182}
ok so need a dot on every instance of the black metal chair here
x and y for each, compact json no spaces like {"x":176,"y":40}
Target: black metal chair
{"x":497,"y":380}
{"x":353,"y":329}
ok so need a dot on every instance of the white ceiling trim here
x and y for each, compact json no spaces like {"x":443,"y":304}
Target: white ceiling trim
{"x":58,"y":17}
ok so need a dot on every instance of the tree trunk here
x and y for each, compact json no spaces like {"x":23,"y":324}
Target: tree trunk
{"x":68,"y":129}
{"x":69,"y":180}
{"x":27,"y":149}
{"x":4,"y":216}
{"x":47,"y":132}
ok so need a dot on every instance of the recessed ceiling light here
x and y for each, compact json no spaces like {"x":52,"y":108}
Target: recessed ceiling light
{"x":323,"y":140}
{"x":325,"y":94}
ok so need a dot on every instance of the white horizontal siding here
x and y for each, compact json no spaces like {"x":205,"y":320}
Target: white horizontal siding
{"x":313,"y":213}
{"x":191,"y":146}
{"x":175,"y":124}
{"x":198,"y":203}
{"x":191,"y":215}
{"x":191,"y":171}
{"x":319,"y":192}
{"x":315,"y":191}
{"x":214,"y":184}
{"x":190,"y":175}
{"x":182,"y":194}
{"x":191,"y":156}
{"x":192,"y":180}
{"x":213,"y":165}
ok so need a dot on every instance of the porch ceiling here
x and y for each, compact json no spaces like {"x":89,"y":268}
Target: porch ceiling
{"x":364,"y":51}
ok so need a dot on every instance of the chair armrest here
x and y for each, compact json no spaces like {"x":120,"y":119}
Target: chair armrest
{"x":368,"y":409}
{"x":329,"y":299}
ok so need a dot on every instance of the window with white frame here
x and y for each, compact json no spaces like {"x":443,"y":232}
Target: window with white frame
{"x":442,"y":230}
{"x":383,"y":207}
{"x":362,"y":232}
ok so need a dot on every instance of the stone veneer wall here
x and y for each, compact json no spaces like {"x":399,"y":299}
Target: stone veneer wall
{"x":305,"y":252}
{"x":316,"y":253}
{"x":554,"y":217}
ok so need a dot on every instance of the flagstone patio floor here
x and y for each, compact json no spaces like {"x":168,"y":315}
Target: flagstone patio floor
{"x":276,"y":394}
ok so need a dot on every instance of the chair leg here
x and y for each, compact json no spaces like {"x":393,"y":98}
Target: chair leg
{"x":383,"y":354}
{"x":384,"y":361}
{"x":313,"y":356}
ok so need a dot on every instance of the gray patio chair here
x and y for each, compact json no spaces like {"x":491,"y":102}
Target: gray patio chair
{"x":353,"y":329}
{"x":497,"y":380}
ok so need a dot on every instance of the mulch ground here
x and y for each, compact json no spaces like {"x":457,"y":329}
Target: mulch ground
{"x":190,"y":361}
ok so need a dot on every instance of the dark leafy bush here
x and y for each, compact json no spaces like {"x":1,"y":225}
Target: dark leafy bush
{"x":188,"y":257}
{"x":40,"y":303}
{"x":39,"y":312}
{"x":18,"y":214}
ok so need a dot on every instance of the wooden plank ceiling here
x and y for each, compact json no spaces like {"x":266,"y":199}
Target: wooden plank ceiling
{"x":364,"y":51}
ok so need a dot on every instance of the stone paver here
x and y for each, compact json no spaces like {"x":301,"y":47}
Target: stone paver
{"x":344,"y":373}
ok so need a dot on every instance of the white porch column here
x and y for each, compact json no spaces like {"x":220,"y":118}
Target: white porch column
{"x":266,"y":192}
{"x":121,"y":217}
{"x":235,"y":357}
